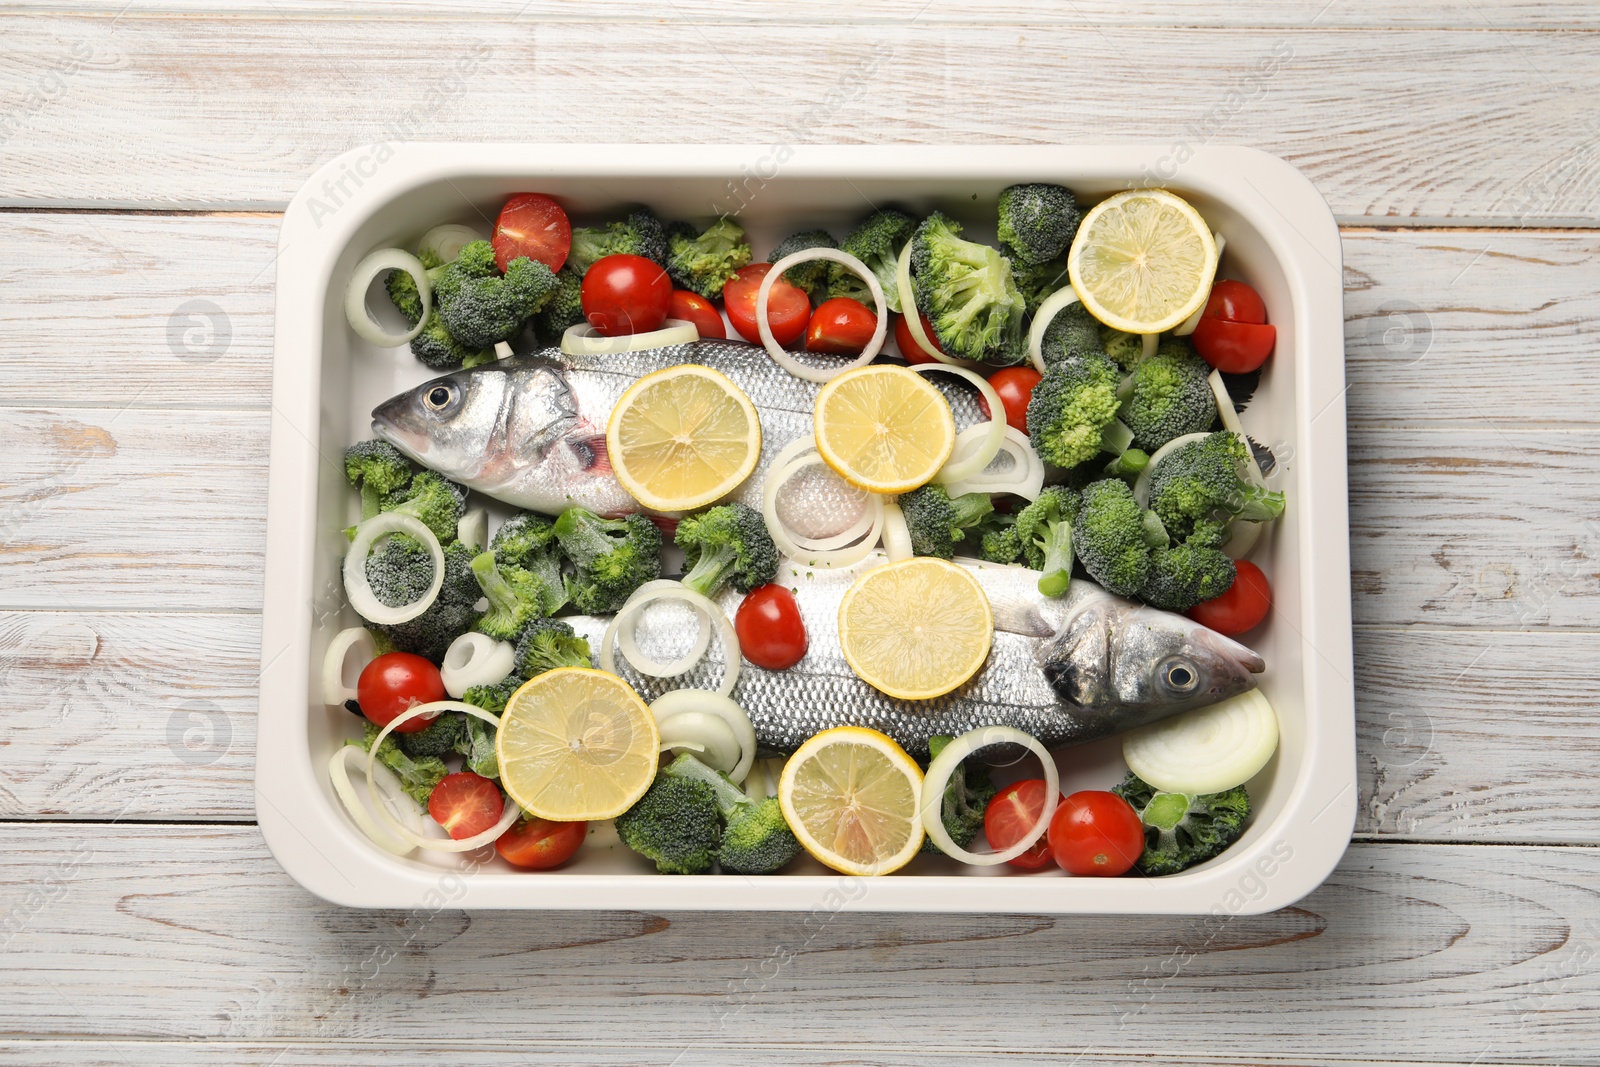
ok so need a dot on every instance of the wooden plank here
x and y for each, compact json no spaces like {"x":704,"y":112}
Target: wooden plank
{"x":1409,"y":951}
{"x":111,"y":115}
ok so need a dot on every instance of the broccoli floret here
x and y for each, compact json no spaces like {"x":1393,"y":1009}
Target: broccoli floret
{"x":612,"y":557}
{"x":676,"y":824}
{"x":1038,"y":221}
{"x":437,"y":350}
{"x":967,"y":292}
{"x":417,"y":776}
{"x":704,"y":262}
{"x":966,"y":795}
{"x":480,"y":306}
{"x":1044,"y":533}
{"x":1169,"y":395}
{"x":403,"y":291}
{"x":755,"y":837}
{"x":1184,"y":575}
{"x":640,"y":234}
{"x":564,"y":309}
{"x":434,"y":499}
{"x":1127,"y":349}
{"x":450,"y":615}
{"x":876,"y":241}
{"x":1072,"y":408}
{"x":728,"y":543}
{"x":1113,"y":539}
{"x":524,"y":539}
{"x":376,"y":468}
{"x":1202,"y":482}
{"x":548,"y":644}
{"x":1182,"y":829}
{"x":936,"y":520}
{"x":399,"y":571}
{"x":998,"y":539}
{"x":476,"y":740}
{"x":1073,"y":334}
{"x":516,"y":597}
{"x":438,"y":738}
{"x":492,"y":698}
{"x":811,"y":276}
{"x":1035,"y":281}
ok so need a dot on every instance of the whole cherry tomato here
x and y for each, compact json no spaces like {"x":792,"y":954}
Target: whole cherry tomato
{"x":1244,"y":605}
{"x":1015,"y":386}
{"x":692,"y":307}
{"x":536,"y":844}
{"x":771,"y":632}
{"x":396,"y":682}
{"x":1096,"y":833}
{"x":910,"y":351}
{"x":840,"y":327}
{"x":625,"y":294}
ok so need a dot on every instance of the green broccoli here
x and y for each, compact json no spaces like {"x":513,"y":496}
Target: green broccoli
{"x":399,"y":570}
{"x":704,"y":262}
{"x":1073,"y":334}
{"x":1038,"y":221}
{"x":417,"y":776}
{"x":811,"y":276}
{"x":437,"y":350}
{"x":480,"y":306}
{"x":998,"y":540}
{"x":548,"y":644}
{"x":1128,"y":464}
{"x":1044,"y":533}
{"x":492,"y":698}
{"x":1186,"y":574}
{"x":728,"y":543}
{"x":967,"y":292}
{"x":1169,"y":395}
{"x":1072,"y":409}
{"x":476,"y":740}
{"x":1036,"y":281}
{"x":936,"y":520}
{"x":564,"y":309}
{"x":755,"y":837}
{"x":1202,"y":482}
{"x":524,"y":540}
{"x":452,"y":612}
{"x":434,"y":499}
{"x":1182,"y":829}
{"x":966,"y":795}
{"x":437,"y":738}
{"x":677,"y":824}
{"x":640,"y":234}
{"x":376,"y":468}
{"x":612,"y":557}
{"x":1126,"y":349}
{"x":1113,"y":537}
{"x":516,"y":596}
{"x":876,"y":241}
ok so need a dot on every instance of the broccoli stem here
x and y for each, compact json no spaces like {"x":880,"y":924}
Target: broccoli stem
{"x":1260,"y":504}
{"x":371,"y":501}
{"x":1129,"y":464}
{"x":706,"y":575}
{"x":501,"y":596}
{"x":583,"y":536}
{"x":1056,"y":574}
{"x":969,"y":509}
{"x":1155,"y":534}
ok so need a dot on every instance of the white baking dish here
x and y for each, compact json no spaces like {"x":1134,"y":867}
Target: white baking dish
{"x":1280,"y":237}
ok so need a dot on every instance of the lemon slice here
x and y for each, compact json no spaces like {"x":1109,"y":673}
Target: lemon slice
{"x":852,"y":797}
{"x":683,"y":437}
{"x":1143,"y":261}
{"x":915,"y":629}
{"x":884,"y":428}
{"x":576,"y":744}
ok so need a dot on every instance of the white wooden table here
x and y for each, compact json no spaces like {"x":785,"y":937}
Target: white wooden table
{"x":145,"y":150}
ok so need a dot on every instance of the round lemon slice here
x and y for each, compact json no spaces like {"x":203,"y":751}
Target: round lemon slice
{"x":683,"y":437}
{"x":1143,"y":261}
{"x":852,"y":797}
{"x":884,"y":428}
{"x":915,"y":629}
{"x":576,"y":744}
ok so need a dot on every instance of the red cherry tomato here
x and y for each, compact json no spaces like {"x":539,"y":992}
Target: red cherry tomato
{"x":396,"y":682}
{"x":1235,"y":302}
{"x":625,"y":294}
{"x":771,"y":632}
{"x":840,"y":327}
{"x":1015,"y":386}
{"x":465,"y":804}
{"x":1242,"y":607}
{"x":1010,"y":815}
{"x":910,"y":351}
{"x":1096,"y":833}
{"x":695,"y":308}
{"x":1233,"y":347}
{"x":532,"y":225}
{"x":788,"y":306}
{"x":536,"y":844}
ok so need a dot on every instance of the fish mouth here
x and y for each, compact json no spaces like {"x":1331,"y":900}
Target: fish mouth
{"x":1231,"y":651}
{"x":389,"y":422}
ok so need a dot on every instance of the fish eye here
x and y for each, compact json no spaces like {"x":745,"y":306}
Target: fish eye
{"x":1180,"y":675}
{"x":439,"y":397}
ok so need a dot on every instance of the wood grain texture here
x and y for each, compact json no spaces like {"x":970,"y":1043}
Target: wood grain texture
{"x":111,"y":107}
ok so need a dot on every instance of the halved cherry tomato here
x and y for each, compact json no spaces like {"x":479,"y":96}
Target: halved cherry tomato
{"x":465,"y":804}
{"x":1232,"y":334}
{"x":532,"y":225}
{"x":625,"y":294}
{"x":910,"y":351}
{"x":1015,"y":386}
{"x":396,"y":682}
{"x":1235,"y":302}
{"x":840,"y":327}
{"x":695,"y":308}
{"x":1246,"y":602}
{"x":1095,"y":832}
{"x":536,"y":844}
{"x":771,"y":632}
{"x":788,"y":306}
{"x":1011,"y":814}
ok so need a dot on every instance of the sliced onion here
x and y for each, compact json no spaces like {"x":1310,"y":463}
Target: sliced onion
{"x":1141,"y":485}
{"x":1207,"y":750}
{"x":583,"y":339}
{"x":1053,"y":304}
{"x":339,"y":775}
{"x":502,"y":350}
{"x":685,"y":701}
{"x":960,"y":470}
{"x":511,"y":813}
{"x":1186,"y":327}
{"x":475,"y":659}
{"x":896,"y":534}
{"x":790,"y":545}
{"x":356,"y":639}
{"x":367,"y":605}
{"x":1024,"y":479}
{"x":908,"y":301}
{"x":624,"y":628}
{"x":707,"y":736}
{"x":355,"y":297}
{"x":783,"y":358}
{"x":1150,"y":341}
{"x":1230,"y":421}
{"x":706,"y":607}
{"x":473,"y":529}
{"x":945,"y":764}
{"x":448,"y":240}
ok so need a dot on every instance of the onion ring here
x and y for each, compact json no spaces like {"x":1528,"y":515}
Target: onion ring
{"x":908,"y":301}
{"x":362,"y":598}
{"x":472,"y":529}
{"x":583,"y":340}
{"x":339,"y":775}
{"x":708,"y":608}
{"x":1053,"y":305}
{"x":680,"y":701}
{"x":776,"y":351}
{"x":896,"y":534}
{"x":707,"y":736}
{"x":448,"y":240}
{"x":355,"y":297}
{"x":960,"y":470}
{"x":334,"y":689}
{"x":627,"y":636}
{"x":785,"y":539}
{"x":1026,"y":479}
{"x":1186,"y":327}
{"x":475,"y":659}
{"x":944,"y":765}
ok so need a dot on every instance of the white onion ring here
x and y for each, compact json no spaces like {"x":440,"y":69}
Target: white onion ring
{"x":776,"y":351}
{"x":679,"y":701}
{"x":1053,"y":304}
{"x":785,"y":539}
{"x":790,"y":460}
{"x":512,"y":810}
{"x":960,"y":470}
{"x":472,"y":529}
{"x":334,"y":689}
{"x":707,"y":736}
{"x":367,"y":605}
{"x":355,"y":297}
{"x":1026,"y":479}
{"x":339,"y":775}
{"x":1186,"y":327}
{"x":626,"y":636}
{"x":708,"y":608}
{"x":1150,"y":342}
{"x":583,"y":339}
{"x":475,"y":659}
{"x":896,"y":534}
{"x":1230,"y":421}
{"x":448,"y":240}
{"x":908,"y":301}
{"x":944,"y":765}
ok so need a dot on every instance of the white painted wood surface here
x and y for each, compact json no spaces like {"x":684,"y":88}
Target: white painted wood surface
{"x":141,"y":923}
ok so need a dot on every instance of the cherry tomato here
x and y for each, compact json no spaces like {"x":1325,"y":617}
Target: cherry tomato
{"x":536,"y":844}
{"x":1097,"y":833}
{"x":910,"y":351}
{"x":1233,"y":347}
{"x":1015,"y":386}
{"x":788,"y":306}
{"x":1010,"y":815}
{"x":1242,"y":607}
{"x":465,"y":804}
{"x":396,"y":682}
{"x":532,"y":225}
{"x":840,"y":327}
{"x":1235,"y":302}
{"x":625,"y":294}
{"x":697,"y":309}
{"x":771,"y":632}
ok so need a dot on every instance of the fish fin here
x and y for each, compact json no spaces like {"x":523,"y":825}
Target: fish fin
{"x":599,"y":461}
{"x":1020,"y":618}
